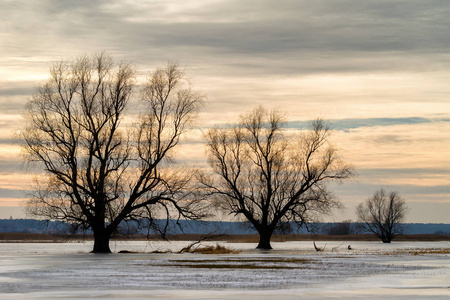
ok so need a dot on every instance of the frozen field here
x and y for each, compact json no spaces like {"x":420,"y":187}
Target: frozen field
{"x":372,"y":270}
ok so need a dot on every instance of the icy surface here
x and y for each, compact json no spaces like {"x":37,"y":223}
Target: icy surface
{"x":293,"y":270}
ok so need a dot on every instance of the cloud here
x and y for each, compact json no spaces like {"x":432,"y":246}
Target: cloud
{"x":16,"y":89}
{"x":8,"y":193}
{"x":11,"y":105}
{"x":399,"y":172}
{"x":424,"y":184}
{"x":391,"y":139}
{"x":439,"y":193}
{"x":9,"y":141}
{"x":268,"y":36}
{"x":286,"y":26}
{"x":232,"y":41}
{"x":11,"y":166}
{"x":349,"y":124}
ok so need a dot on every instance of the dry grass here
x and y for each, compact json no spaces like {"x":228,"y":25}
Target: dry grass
{"x":422,"y":251}
{"x":216,"y":249}
{"x":254,"y":238}
{"x":247,"y":264}
{"x":16,"y":237}
{"x":250,"y":238}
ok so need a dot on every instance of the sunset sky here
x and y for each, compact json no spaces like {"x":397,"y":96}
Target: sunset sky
{"x":378,"y":70}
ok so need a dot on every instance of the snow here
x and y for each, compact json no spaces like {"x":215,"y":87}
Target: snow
{"x":292,"y":270}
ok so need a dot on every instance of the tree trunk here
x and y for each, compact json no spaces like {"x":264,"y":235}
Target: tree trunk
{"x":386,"y":240}
{"x":101,"y":242}
{"x":264,"y":239}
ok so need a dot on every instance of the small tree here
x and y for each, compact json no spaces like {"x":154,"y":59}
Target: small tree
{"x":99,"y":170}
{"x":382,"y":214}
{"x":342,"y":228}
{"x":270,"y":178}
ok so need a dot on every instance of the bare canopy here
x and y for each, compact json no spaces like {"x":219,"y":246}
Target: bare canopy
{"x":99,"y":170}
{"x":271,"y":178}
{"x":382,"y":214}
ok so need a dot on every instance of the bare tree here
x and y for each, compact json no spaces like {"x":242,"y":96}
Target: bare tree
{"x":268,"y":177}
{"x":382,"y":214}
{"x":343,"y":228}
{"x":99,"y":171}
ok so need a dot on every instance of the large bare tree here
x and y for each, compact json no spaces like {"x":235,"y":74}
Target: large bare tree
{"x":382,"y":214}
{"x":101,"y":166}
{"x":269,"y":177}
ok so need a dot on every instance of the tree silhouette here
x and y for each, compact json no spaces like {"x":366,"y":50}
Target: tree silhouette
{"x":268,"y":177}
{"x":382,"y":214}
{"x":101,"y":167}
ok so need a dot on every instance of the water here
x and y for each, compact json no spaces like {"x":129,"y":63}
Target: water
{"x":293,"y":270}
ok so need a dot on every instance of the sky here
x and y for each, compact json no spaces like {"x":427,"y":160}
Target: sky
{"x":378,"y":71}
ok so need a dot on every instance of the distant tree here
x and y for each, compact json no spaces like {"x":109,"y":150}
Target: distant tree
{"x":382,"y":214}
{"x":101,"y":166}
{"x":271,"y":178}
{"x":342,"y":228}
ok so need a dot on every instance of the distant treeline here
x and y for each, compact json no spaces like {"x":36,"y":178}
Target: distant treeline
{"x":204,"y":227}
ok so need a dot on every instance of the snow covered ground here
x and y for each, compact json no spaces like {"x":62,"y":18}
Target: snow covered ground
{"x":371,"y":270}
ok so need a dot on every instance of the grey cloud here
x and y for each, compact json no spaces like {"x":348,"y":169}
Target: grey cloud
{"x":12,"y":105}
{"x":364,"y":191}
{"x":7,"y":125}
{"x":415,"y":189}
{"x":292,"y":44}
{"x":403,"y":172}
{"x":13,"y":96}
{"x":9,"y":193}
{"x":10,"y":141}
{"x":287,"y":35}
{"x":391,"y":139}
{"x":292,"y":26}
{"x":348,"y":124}
{"x":6,"y":90}
{"x":11,"y":166}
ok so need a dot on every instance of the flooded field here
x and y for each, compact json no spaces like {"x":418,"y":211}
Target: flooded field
{"x":370,"y":270}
